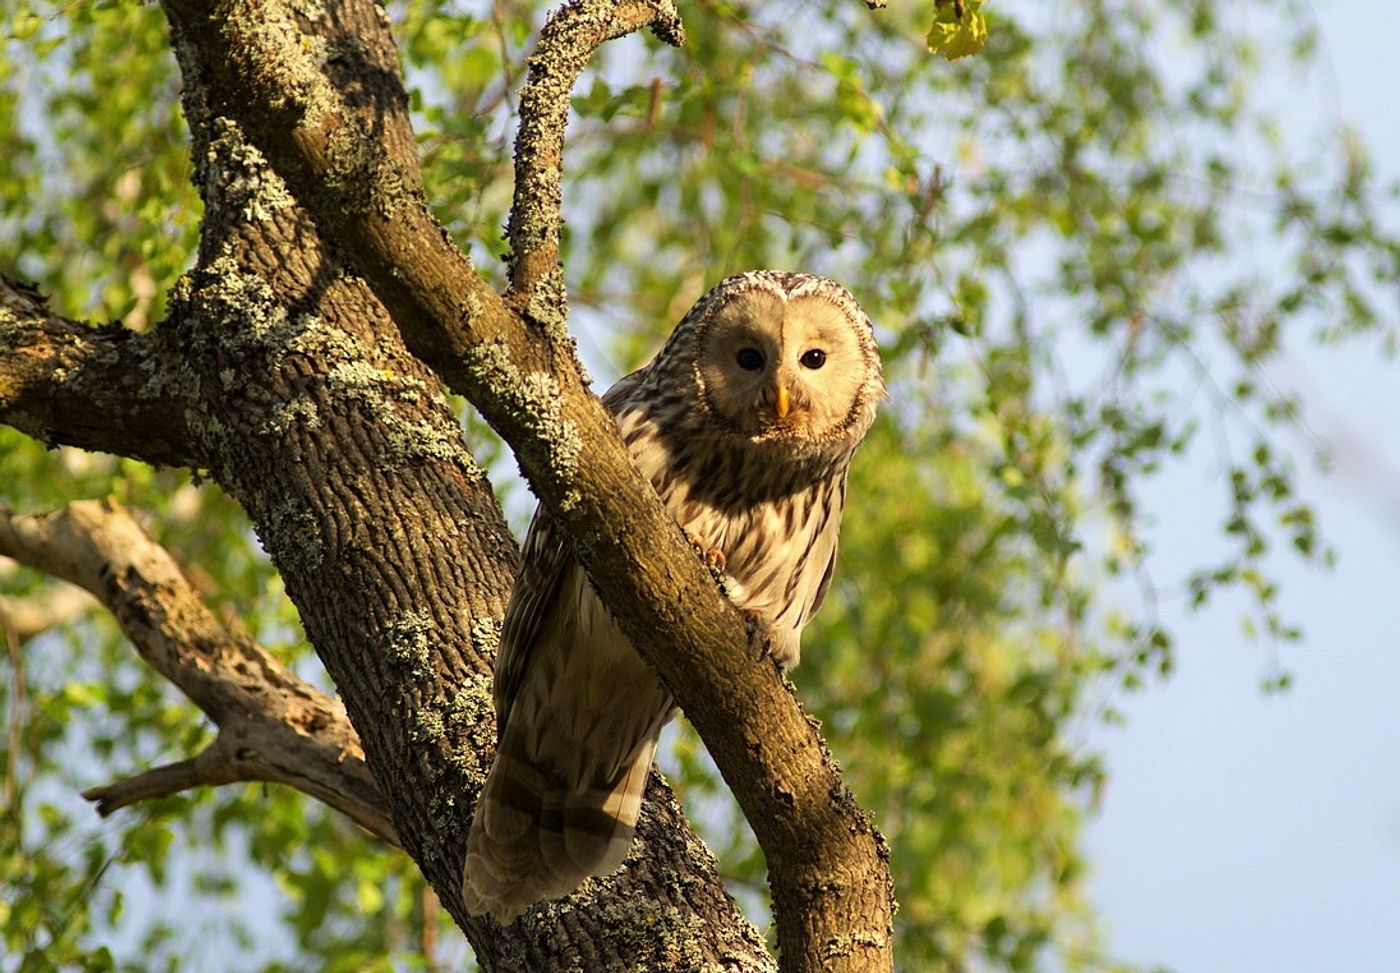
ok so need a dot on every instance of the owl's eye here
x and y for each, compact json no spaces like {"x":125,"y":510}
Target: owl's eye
{"x":749,"y":359}
{"x":814,"y":358}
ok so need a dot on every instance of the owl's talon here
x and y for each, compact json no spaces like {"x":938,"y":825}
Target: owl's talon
{"x":712,"y":556}
{"x":715,"y":558}
{"x":760,"y":634}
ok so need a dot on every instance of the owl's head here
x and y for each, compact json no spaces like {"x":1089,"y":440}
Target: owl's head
{"x":781,"y":356}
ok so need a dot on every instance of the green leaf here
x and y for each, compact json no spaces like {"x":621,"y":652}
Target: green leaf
{"x":959,"y":29}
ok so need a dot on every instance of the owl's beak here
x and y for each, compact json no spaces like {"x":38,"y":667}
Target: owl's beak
{"x":782,"y":403}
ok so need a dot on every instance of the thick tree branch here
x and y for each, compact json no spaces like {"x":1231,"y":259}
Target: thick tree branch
{"x":106,"y":389}
{"x":273,"y":726}
{"x":567,"y":42}
{"x":832,"y":893}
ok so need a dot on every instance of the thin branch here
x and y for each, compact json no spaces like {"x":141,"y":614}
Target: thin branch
{"x":9,"y":787}
{"x":428,"y":939}
{"x":43,"y":611}
{"x":152,"y":784}
{"x":273,"y":726}
{"x":567,"y":42}
{"x":107,"y":388}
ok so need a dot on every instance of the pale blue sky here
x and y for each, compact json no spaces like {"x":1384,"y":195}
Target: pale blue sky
{"x":1241,"y":832}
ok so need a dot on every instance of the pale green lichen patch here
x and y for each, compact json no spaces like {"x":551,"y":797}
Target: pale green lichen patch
{"x":423,"y":440}
{"x":541,"y":395}
{"x":290,"y":533}
{"x":406,"y":640}
{"x":428,"y":726}
{"x":549,"y":307}
{"x":410,"y":437}
{"x":652,"y":932}
{"x":233,"y":310}
{"x":286,"y":416}
{"x":471,"y":718}
{"x":537,"y":399}
{"x":229,"y":305}
{"x":312,"y":337}
{"x":486,"y":634}
{"x":167,"y":378}
{"x":358,"y":379}
{"x":207,"y":429}
{"x":289,"y":64}
{"x":389,"y":191}
{"x":839,"y":946}
{"x":238,"y":176}
{"x":362,"y":178}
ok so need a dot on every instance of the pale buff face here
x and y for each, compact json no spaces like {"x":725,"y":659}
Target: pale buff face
{"x":775,"y":368}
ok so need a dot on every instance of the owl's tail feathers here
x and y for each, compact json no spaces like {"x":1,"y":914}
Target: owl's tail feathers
{"x":530,"y":842}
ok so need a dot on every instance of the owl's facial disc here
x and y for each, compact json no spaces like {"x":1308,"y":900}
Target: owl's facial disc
{"x":780,"y":369}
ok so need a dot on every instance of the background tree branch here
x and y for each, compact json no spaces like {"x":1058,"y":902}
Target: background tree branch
{"x":54,"y":606}
{"x":272,"y":725}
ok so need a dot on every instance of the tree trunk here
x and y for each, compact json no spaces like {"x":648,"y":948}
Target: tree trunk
{"x":281,"y":373}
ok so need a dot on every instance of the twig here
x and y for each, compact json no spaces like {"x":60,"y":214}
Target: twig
{"x":429,"y":939}
{"x":17,"y":697}
{"x":154,"y":783}
{"x":569,"y":38}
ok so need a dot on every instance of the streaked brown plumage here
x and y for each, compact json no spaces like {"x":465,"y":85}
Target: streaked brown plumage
{"x":744,"y":423}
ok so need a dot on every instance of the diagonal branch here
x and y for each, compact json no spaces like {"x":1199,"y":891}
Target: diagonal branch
{"x":567,"y":42}
{"x":107,"y":388}
{"x":833,"y":897}
{"x":273,"y":726}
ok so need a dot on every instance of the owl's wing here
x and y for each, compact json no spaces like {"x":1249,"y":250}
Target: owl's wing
{"x":617,"y":396}
{"x":836,"y":497}
{"x":822,"y":586}
{"x":543,"y":567}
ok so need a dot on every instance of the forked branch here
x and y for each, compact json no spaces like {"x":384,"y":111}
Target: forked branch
{"x":829,"y":872}
{"x":273,"y":726}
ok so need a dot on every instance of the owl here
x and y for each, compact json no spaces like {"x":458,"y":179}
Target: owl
{"x":745,"y":423}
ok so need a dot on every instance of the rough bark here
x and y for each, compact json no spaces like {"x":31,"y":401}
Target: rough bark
{"x":98,"y":388}
{"x":326,"y":419}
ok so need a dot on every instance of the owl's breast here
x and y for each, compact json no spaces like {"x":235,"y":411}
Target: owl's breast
{"x":776,"y":524}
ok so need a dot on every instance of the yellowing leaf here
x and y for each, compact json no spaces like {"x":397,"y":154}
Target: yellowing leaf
{"x":24,"y":25}
{"x":959,"y":29}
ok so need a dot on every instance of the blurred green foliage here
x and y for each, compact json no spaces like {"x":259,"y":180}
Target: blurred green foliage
{"x":1080,"y":247}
